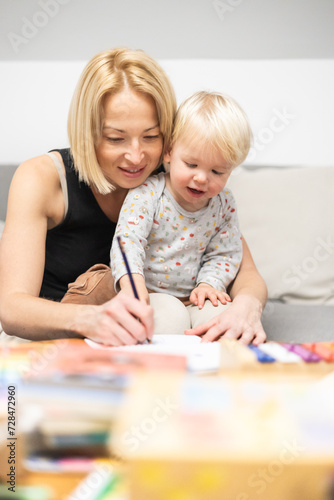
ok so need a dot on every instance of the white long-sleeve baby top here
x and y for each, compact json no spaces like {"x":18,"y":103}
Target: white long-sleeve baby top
{"x":175,"y":249}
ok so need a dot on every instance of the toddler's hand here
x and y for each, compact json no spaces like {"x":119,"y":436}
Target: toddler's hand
{"x":139,"y":282}
{"x":204,"y":291}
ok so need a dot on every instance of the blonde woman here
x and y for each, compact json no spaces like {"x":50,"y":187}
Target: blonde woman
{"x":63,"y":208}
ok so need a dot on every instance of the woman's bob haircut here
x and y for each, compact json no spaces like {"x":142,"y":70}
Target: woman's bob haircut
{"x":214,"y":120}
{"x":107,"y":74}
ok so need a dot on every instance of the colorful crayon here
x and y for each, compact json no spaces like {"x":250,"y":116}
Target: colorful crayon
{"x":306,"y":355}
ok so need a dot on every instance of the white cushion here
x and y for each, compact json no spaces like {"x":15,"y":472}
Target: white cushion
{"x":286,"y":217}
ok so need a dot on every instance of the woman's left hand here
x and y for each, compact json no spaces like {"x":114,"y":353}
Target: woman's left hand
{"x":242,"y":321}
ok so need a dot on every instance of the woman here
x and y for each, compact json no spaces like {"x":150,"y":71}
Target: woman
{"x":62,"y":211}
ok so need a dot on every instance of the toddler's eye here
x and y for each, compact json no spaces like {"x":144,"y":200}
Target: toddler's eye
{"x":217,"y":173}
{"x":191,"y":165}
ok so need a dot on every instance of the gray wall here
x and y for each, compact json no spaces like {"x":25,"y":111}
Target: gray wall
{"x":167,"y":29}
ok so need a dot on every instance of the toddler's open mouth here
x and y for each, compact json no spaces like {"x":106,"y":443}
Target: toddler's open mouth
{"x":195,"y":192}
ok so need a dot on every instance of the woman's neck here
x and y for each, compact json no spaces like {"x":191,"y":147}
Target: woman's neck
{"x":111,"y":203}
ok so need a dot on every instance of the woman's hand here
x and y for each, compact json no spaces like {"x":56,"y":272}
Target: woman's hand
{"x":205,"y":291}
{"x":122,"y":320}
{"x":242,"y":320}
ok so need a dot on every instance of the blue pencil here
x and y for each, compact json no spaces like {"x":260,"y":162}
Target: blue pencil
{"x":148,"y":341}
{"x":128,"y":268}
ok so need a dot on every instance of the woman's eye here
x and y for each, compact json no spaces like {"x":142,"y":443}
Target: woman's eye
{"x":151,"y":137}
{"x":114,"y":139}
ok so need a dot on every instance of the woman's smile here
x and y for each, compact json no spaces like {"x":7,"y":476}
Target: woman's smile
{"x":132,"y":172}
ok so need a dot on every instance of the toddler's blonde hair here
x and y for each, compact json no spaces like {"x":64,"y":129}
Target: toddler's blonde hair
{"x":214,"y":120}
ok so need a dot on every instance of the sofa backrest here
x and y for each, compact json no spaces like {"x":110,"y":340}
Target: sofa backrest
{"x":286,"y":215}
{"x":6,"y":174}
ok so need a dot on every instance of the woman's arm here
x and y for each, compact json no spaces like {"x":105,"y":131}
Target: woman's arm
{"x":248,"y":281}
{"x":35,"y":204}
{"x":242,"y":319}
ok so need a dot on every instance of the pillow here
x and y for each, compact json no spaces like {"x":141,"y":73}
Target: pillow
{"x":285,"y":215}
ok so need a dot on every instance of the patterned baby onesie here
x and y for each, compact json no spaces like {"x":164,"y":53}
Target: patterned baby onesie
{"x":175,"y":249}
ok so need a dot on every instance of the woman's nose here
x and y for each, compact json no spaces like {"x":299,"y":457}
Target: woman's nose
{"x":134,"y":153}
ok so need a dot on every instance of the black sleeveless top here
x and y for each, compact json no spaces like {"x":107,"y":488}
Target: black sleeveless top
{"x":83,"y":239}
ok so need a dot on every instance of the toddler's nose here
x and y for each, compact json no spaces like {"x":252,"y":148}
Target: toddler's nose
{"x":200,"y":177}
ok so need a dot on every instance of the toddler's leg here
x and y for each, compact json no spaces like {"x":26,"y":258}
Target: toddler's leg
{"x":170,"y":315}
{"x":209,"y":311}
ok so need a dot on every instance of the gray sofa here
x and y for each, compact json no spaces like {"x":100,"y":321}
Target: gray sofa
{"x":286,"y":217}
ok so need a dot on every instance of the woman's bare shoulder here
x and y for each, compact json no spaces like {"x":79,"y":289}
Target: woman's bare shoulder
{"x":39,"y":168}
{"x":36,"y":181}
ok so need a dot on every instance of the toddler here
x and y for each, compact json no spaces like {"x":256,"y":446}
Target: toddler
{"x":180,"y":228}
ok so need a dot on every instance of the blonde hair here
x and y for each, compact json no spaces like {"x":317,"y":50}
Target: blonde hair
{"x":107,"y":74}
{"x":214,"y":120}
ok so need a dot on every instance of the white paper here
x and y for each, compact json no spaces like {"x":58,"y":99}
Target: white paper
{"x":200,"y":356}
